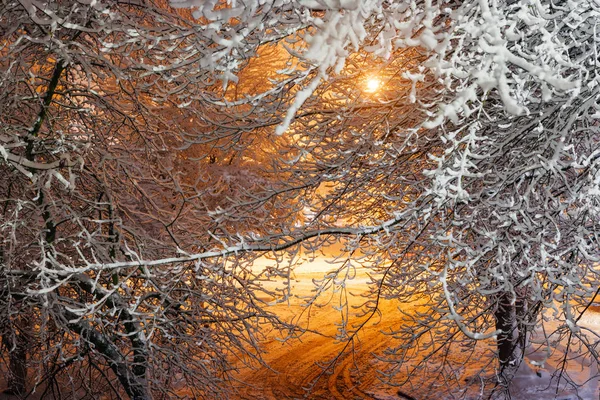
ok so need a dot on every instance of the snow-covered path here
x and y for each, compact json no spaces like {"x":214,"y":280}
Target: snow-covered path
{"x":293,"y":363}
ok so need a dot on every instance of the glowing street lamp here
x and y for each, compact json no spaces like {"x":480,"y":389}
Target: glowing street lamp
{"x":372,"y":84}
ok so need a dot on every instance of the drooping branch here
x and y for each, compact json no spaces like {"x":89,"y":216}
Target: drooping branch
{"x":135,"y":386}
{"x":260,"y":245}
{"x":132,"y":326}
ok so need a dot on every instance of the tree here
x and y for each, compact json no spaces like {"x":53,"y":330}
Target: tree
{"x":102,"y":169}
{"x":468,"y":184}
{"x":482,"y":197}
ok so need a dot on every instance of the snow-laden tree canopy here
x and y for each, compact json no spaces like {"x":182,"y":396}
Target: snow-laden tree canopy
{"x":476,"y":167}
{"x":149,"y":154}
{"x":514,"y":49}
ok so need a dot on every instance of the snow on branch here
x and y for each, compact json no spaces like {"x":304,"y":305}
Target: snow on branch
{"x":274,"y":243}
{"x":473,"y":47}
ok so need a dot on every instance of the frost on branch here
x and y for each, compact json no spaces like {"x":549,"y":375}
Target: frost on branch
{"x":493,"y":193}
{"x":472,"y":48}
{"x":141,"y":180}
{"x":100,"y":164}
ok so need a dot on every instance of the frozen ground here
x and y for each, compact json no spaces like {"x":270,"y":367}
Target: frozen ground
{"x":293,"y":363}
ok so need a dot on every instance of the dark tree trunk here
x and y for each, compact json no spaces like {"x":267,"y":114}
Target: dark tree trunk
{"x":16,"y":343}
{"x":521,"y":310}
{"x":505,"y":315}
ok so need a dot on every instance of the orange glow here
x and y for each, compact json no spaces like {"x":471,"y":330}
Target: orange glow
{"x":372,"y":84}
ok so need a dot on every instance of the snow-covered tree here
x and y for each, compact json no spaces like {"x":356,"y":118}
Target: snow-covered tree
{"x":469,"y":180}
{"x":114,"y":152}
{"x":150,"y":155}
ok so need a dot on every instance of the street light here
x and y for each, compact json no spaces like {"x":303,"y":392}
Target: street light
{"x":373,"y":83}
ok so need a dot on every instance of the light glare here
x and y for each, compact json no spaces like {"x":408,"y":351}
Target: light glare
{"x":373,"y":84}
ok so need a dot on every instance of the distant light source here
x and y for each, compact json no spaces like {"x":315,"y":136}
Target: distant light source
{"x":373,"y":84}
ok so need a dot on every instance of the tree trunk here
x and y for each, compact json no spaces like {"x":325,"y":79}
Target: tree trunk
{"x":16,"y":343}
{"x":521,"y":310}
{"x":505,"y":315}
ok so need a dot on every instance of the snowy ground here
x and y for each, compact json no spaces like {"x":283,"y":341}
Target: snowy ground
{"x":532,"y":382}
{"x":293,"y":363}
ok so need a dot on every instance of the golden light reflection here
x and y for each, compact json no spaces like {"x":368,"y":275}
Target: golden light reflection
{"x":372,"y":84}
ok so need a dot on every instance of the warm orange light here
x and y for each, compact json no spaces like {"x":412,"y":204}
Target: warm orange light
{"x":373,"y":84}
